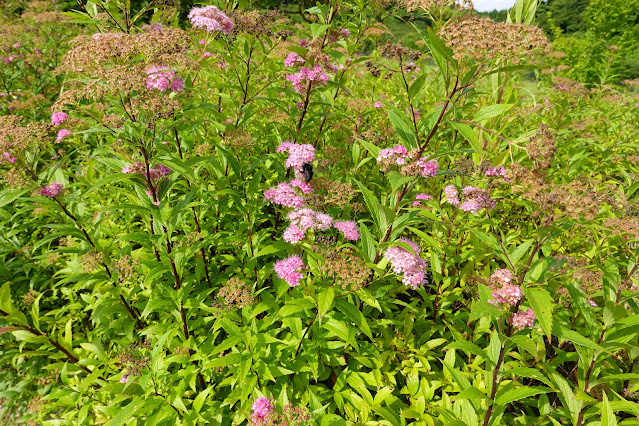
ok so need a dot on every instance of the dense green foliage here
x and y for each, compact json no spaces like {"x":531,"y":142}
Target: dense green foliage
{"x":491,"y":278}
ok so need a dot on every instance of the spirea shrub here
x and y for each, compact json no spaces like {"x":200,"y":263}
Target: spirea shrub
{"x":237,"y":220}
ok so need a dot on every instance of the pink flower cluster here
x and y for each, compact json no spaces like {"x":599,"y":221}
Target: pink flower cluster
{"x":499,"y":171}
{"x":211,"y":19}
{"x":160,"y":171}
{"x":427,"y":168}
{"x":293,"y":59}
{"x":52,"y":190}
{"x":303,"y":77}
{"x":507,"y":294}
{"x":475,"y":198}
{"x":348,"y":228}
{"x":124,"y":378}
{"x":390,"y":156}
{"x":290,"y":270}
{"x":303,"y":186}
{"x":521,"y":320}
{"x":418,"y":197}
{"x":62,"y":133}
{"x":155,"y":173}
{"x":298,"y":154}
{"x":302,"y":220}
{"x":378,"y":104}
{"x":162,"y":78}
{"x":285,"y":194}
{"x":8,"y":158}
{"x":58,"y":118}
{"x":409,"y":263}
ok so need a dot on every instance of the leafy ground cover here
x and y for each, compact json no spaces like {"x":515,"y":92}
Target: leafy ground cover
{"x":238,"y":220}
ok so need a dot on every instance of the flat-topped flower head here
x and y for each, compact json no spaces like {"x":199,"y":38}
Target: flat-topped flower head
{"x":298,"y":155}
{"x":308,"y":76}
{"x":52,"y":190}
{"x":408,"y":263}
{"x":521,"y":320}
{"x":293,"y":59}
{"x":58,"y":118}
{"x":395,"y":156}
{"x":290,"y":270}
{"x":285,"y":195}
{"x":451,"y":195}
{"x":162,"y":78}
{"x":210,"y":19}
{"x":62,"y":133}
{"x":508,"y":294}
{"x":349,"y":229}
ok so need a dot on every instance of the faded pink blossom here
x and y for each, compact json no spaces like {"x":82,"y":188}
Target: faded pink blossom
{"x":427,"y":168}
{"x":507,"y":294}
{"x":211,"y":19}
{"x":499,"y":171}
{"x":58,"y":118}
{"x":378,"y":104}
{"x":346,"y":33}
{"x":521,"y":320}
{"x":160,"y":171}
{"x":124,"y":378}
{"x":418,"y":197}
{"x":162,"y":78}
{"x":52,"y":190}
{"x":62,"y":133}
{"x":592,"y":303}
{"x":348,"y":228}
{"x":290,"y":270}
{"x":8,"y":158}
{"x":408,"y":263}
{"x":477,"y":199}
{"x":293,"y":59}
{"x":137,"y":167}
{"x":451,"y":195}
{"x":301,"y":79}
{"x":396,"y":155}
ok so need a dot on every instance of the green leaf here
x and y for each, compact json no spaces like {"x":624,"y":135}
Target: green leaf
{"x":125,"y":414}
{"x":508,"y":395}
{"x":468,"y":133}
{"x":199,"y":400}
{"x":325,"y":301}
{"x":541,"y":303}
{"x":491,"y":111}
{"x":607,"y":414}
{"x":354,"y":315}
{"x":294,"y":306}
{"x":5,"y":298}
{"x":332,"y":420}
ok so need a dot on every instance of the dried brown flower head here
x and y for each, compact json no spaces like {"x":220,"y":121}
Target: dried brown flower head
{"x":29,"y":298}
{"x":234,"y":295}
{"x":435,"y":4}
{"x":484,"y":39}
{"x":346,"y":269}
{"x":91,"y":261}
{"x":127,"y":267}
{"x":541,"y":148}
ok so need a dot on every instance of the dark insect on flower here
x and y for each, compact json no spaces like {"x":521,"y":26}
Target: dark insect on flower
{"x":307,"y":169}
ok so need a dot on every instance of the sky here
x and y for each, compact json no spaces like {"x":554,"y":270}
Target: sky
{"x":488,"y":5}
